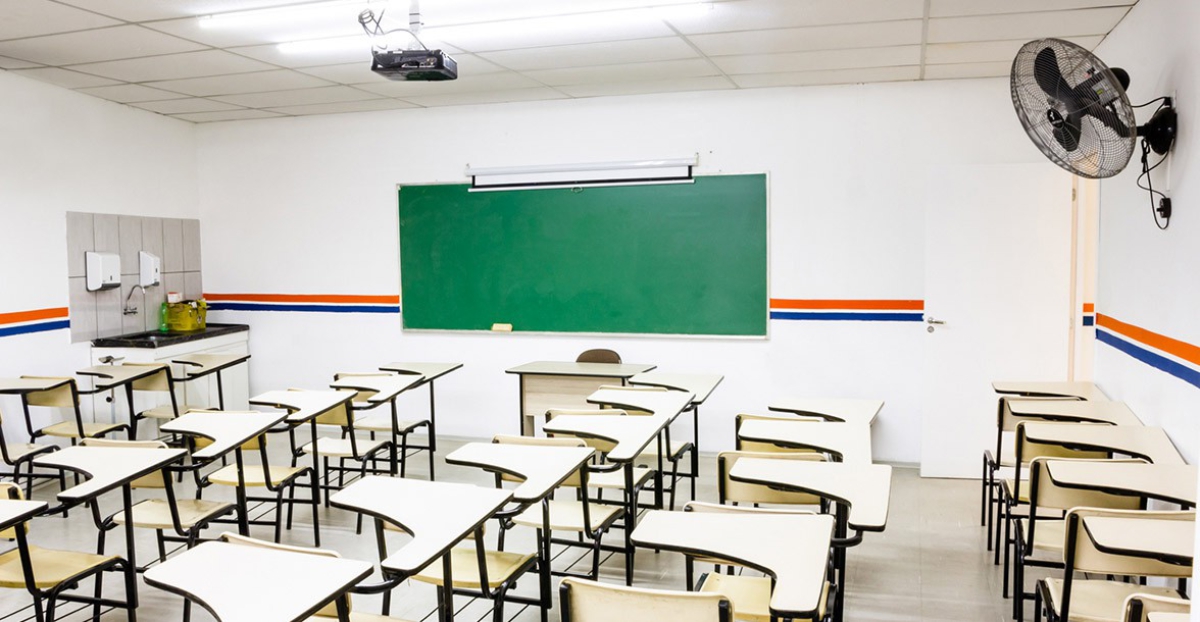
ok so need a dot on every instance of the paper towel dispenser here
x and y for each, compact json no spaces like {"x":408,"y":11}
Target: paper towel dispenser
{"x":103,"y":271}
{"x":149,"y":269}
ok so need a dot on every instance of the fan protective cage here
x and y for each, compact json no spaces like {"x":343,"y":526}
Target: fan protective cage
{"x":1102,"y":151}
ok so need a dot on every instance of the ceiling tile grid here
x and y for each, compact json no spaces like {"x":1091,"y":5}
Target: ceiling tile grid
{"x":220,"y":60}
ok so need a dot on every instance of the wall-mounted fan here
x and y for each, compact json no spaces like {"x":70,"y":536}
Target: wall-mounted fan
{"x":1075,"y":109}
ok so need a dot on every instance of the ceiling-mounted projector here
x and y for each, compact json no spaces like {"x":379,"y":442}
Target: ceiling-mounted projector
{"x":395,"y":62}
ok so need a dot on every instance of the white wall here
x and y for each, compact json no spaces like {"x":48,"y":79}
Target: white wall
{"x":308,"y":206}
{"x":64,"y":151}
{"x":1147,"y":277}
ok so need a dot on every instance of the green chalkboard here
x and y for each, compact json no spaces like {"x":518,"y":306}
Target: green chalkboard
{"x":685,"y":259}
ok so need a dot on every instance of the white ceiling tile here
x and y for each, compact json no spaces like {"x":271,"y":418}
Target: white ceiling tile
{"x":821,"y":60}
{"x":189,"y":104}
{"x":837,"y":76}
{"x":763,"y":14}
{"x":64,"y":77}
{"x":272,"y":54}
{"x":664,"y":70}
{"x":643,"y":87}
{"x":588,"y":54}
{"x":321,"y":95}
{"x":838,"y":37}
{"x":226,"y":115}
{"x":238,"y":83}
{"x":95,"y":45}
{"x":489,"y":97}
{"x":343,"y":107}
{"x":141,"y":10}
{"x":175,"y":66}
{"x":953,"y":8}
{"x":545,"y":32}
{"x":968,"y":70}
{"x":504,"y":81}
{"x":129,"y":93}
{"x":1025,"y":25}
{"x":987,"y":51}
{"x":31,"y":18}
{"x":360,"y":72}
{"x":13,"y":63}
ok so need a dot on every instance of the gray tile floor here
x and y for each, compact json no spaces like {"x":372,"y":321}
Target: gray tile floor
{"x":929,"y":564}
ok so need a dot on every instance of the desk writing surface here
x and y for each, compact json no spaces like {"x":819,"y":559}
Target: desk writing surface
{"x":849,"y":441}
{"x":386,"y":387}
{"x":700,"y":384}
{"x":197,"y":365}
{"x":865,"y":488}
{"x":1082,"y":389}
{"x":631,"y":433}
{"x":436,"y":514}
{"x":431,"y":371}
{"x":226,"y":429}
{"x":544,"y":467}
{"x":29,"y":384}
{"x":105,"y":376}
{"x":1115,"y":413}
{"x":13,"y":511}
{"x":1171,"y":541}
{"x":243,"y":583}
{"x":1166,"y":616}
{"x":304,"y":405}
{"x":793,"y":548}
{"x":1175,"y":483}
{"x":106,"y":467}
{"x":669,"y":403}
{"x":1146,"y":442}
{"x":833,"y":409}
{"x":565,"y":368}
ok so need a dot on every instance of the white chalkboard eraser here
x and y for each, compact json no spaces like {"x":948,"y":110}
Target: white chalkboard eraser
{"x":502,"y":328}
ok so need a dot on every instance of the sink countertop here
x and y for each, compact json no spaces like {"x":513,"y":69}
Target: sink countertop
{"x":156,"y":339}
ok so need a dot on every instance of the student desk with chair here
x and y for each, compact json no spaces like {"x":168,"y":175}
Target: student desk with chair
{"x":429,"y":372}
{"x":845,"y":442}
{"x":386,"y":389}
{"x":844,"y":410}
{"x":112,"y":377}
{"x":197,"y":366}
{"x":702,"y":386}
{"x":550,"y":384}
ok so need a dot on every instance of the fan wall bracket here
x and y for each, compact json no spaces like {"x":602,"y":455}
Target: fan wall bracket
{"x":1160,"y":131}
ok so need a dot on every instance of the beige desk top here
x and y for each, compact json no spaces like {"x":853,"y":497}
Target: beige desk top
{"x":197,"y":365}
{"x":241,"y":583}
{"x":1175,"y":483}
{"x":106,"y":467}
{"x":669,"y":403}
{"x":303,"y":405}
{"x":437,"y":514}
{"x":794,"y":549}
{"x":431,"y":371}
{"x":13,"y":511}
{"x":700,"y":384}
{"x":833,"y":409}
{"x":1146,"y":442}
{"x":1171,"y":541}
{"x":109,"y":376}
{"x":1081,"y":390}
{"x":1116,"y":413}
{"x":630,"y":433}
{"x":385,"y":386}
{"x":865,"y":488}
{"x":562,"y":368}
{"x":849,"y":442}
{"x":543,"y":467}
{"x":226,"y":429}
{"x":30,"y":384}
{"x":1164,"y":616}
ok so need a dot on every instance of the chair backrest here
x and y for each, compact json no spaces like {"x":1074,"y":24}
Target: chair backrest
{"x":361,"y":394}
{"x":1138,"y":607}
{"x":598,"y":355}
{"x":64,"y":396}
{"x":158,"y":381}
{"x":730,"y":491}
{"x":153,"y":480}
{"x":590,"y":601}
{"x":759,"y":447}
{"x":1083,"y":556}
{"x":9,"y":490}
{"x":600,"y":445}
{"x":328,"y":611}
{"x":561,"y":441}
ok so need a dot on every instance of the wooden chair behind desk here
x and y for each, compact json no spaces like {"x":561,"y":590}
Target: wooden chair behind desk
{"x":598,"y":355}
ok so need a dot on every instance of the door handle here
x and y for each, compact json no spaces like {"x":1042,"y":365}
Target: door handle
{"x":929,"y":320}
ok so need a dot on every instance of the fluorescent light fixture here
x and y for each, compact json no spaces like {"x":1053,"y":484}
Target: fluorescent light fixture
{"x":627,"y":173}
{"x":283,"y":14}
{"x":334,"y":45}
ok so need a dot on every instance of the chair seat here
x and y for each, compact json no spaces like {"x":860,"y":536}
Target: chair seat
{"x":1047,"y":537}
{"x":501,"y":566}
{"x":50,"y":566}
{"x":568,"y":515}
{"x":382,"y":422}
{"x":674,"y":452}
{"x":616,"y":479}
{"x":750,"y":596}
{"x":341,"y":447}
{"x":156,"y":513}
{"x":68,"y":429}
{"x":16,"y":451}
{"x":228,"y":475}
{"x":1010,"y":485}
{"x":1099,"y":601}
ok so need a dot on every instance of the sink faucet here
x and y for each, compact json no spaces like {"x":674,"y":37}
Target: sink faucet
{"x":128,"y":310}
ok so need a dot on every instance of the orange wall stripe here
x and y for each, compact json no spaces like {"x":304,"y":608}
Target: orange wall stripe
{"x":319,"y":298}
{"x":29,"y":316}
{"x":1089,"y":307}
{"x":910,"y":305}
{"x":1174,"y":347}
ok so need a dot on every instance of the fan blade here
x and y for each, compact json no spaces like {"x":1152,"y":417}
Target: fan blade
{"x":1050,"y":78}
{"x":1067,"y":134}
{"x":1108,"y":117}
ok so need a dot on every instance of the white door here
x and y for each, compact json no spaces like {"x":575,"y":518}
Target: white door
{"x":998,"y":273}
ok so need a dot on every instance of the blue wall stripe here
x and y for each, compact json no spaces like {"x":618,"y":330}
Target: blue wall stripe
{"x":34,"y":328}
{"x":840,"y":315}
{"x":1157,"y":361}
{"x":1089,"y":320}
{"x":254,"y":306}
